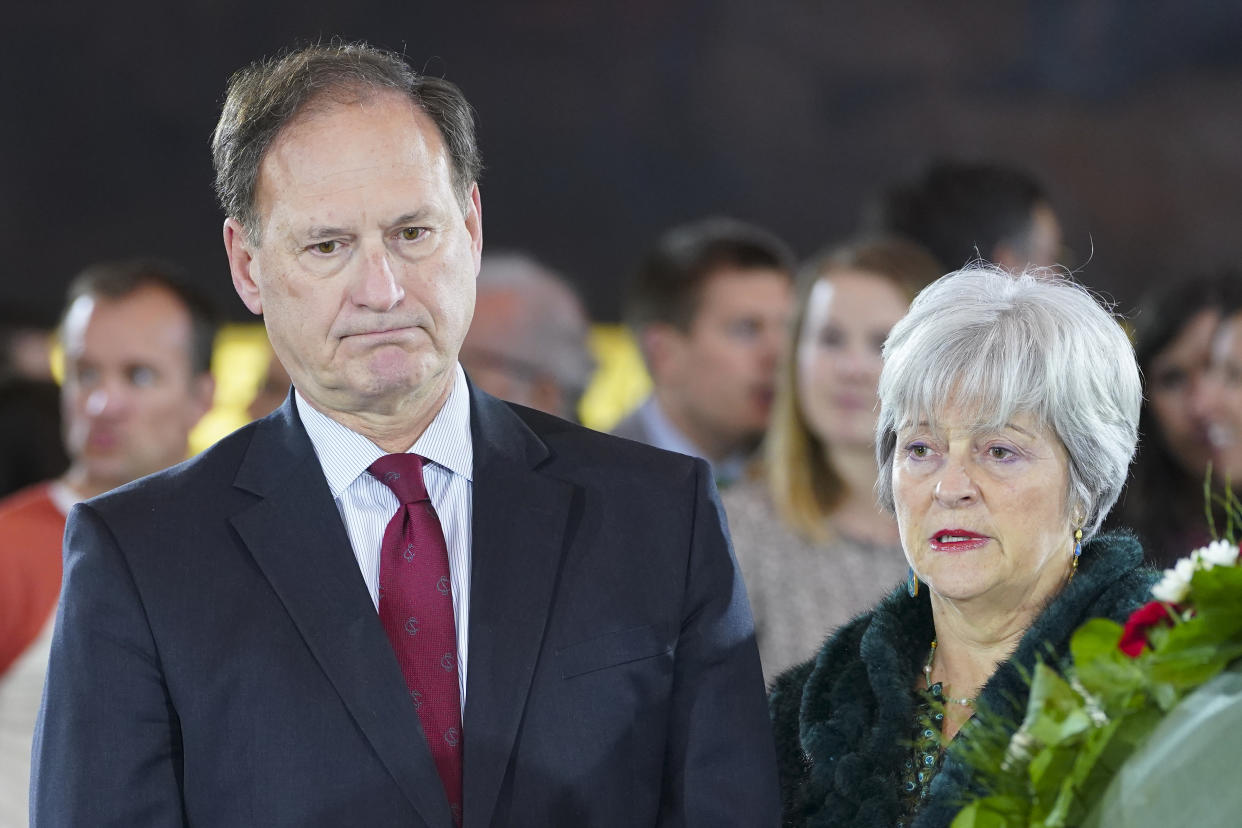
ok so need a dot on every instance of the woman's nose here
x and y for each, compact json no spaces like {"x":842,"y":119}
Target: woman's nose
{"x":955,"y":486}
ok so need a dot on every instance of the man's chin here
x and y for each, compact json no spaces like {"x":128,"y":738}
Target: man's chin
{"x":391,"y":387}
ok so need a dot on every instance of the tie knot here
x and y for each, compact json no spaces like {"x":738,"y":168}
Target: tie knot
{"x":403,"y":474}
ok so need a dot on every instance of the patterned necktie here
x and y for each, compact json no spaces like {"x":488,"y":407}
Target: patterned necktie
{"x":416,"y":609}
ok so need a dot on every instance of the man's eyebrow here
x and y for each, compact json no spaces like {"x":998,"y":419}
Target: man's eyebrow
{"x":322,"y":231}
{"x":409,"y":218}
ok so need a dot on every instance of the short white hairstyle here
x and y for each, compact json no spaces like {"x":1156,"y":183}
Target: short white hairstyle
{"x":999,"y":344}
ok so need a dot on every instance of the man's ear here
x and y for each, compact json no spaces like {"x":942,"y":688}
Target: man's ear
{"x":241,"y":261}
{"x":474,"y":225}
{"x":662,"y":346}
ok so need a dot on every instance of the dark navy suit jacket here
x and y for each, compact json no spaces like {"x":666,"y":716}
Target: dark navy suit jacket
{"x":217,"y":660}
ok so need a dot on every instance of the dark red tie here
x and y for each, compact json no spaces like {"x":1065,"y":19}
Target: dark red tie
{"x":416,"y":609}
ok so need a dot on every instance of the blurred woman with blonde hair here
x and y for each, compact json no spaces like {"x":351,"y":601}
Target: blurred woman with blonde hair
{"x":814,"y":547}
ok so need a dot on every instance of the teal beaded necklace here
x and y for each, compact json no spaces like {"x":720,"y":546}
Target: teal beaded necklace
{"x":927,"y":669}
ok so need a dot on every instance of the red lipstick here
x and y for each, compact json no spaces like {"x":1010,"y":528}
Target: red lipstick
{"x":957,"y":540}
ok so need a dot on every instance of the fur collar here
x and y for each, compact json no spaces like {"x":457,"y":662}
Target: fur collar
{"x":843,"y":721}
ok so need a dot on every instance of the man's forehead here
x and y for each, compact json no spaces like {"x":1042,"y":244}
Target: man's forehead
{"x":339,"y":147}
{"x":375,"y":108}
{"x":737,"y":287}
{"x":149,"y":313}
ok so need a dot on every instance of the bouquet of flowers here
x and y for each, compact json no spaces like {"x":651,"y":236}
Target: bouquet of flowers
{"x":1081,"y":726}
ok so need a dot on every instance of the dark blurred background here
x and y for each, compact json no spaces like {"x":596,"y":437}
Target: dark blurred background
{"x":603,"y":122}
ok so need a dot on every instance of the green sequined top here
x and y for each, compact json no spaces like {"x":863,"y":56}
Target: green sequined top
{"x":924,"y":760}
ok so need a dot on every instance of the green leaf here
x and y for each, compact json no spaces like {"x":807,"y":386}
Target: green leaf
{"x":1217,"y":589}
{"x":1049,"y":718}
{"x":993,"y":812}
{"x":1103,"y":669}
{"x":1191,"y":654}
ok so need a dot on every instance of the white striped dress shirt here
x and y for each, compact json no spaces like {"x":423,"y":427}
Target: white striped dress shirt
{"x":367,"y":505}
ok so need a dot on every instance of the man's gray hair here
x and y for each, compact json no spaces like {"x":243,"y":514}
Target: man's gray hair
{"x":996,"y":344}
{"x":266,"y":96}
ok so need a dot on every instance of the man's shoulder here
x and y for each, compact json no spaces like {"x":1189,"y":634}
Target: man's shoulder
{"x":195,"y":483}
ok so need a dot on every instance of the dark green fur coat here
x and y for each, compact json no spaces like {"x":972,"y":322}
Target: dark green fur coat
{"x":843,"y":721}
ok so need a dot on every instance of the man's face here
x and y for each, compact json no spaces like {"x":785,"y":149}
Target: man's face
{"x":365,"y":271}
{"x":129,"y":398}
{"x":721,"y":373}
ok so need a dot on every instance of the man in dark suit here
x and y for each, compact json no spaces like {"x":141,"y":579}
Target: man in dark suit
{"x":396,"y":601}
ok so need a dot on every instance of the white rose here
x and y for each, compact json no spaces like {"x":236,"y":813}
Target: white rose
{"x":1219,"y":553}
{"x":1175,"y":583}
{"x":1185,"y":569}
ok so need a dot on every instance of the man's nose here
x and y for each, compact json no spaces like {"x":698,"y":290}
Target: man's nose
{"x":376,"y":286}
{"x":774,"y":345}
{"x":956,"y":487}
{"x":107,"y":400}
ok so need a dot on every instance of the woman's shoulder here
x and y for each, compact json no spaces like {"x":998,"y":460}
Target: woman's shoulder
{"x":831,"y":661}
{"x":840,"y":719}
{"x":867,"y":637}
{"x":1115,"y":580}
{"x":803,"y":705}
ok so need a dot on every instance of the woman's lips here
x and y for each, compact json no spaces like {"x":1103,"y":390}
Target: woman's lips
{"x":957,"y":540}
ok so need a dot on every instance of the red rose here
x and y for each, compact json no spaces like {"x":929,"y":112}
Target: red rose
{"x":1134,"y":636}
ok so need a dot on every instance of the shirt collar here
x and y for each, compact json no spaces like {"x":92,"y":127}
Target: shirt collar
{"x":344,"y":454}
{"x":667,"y":436}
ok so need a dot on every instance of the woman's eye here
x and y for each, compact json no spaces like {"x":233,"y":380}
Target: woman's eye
{"x":411,"y":233}
{"x":1000,"y":452}
{"x":918,"y":451}
{"x":831,"y":338}
{"x":325,"y":247}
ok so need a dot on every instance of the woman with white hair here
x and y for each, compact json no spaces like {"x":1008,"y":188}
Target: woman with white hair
{"x":1008,"y":417}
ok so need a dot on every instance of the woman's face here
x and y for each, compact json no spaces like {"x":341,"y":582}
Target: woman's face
{"x":1174,"y":381}
{"x":983,"y":512}
{"x":1220,"y":401}
{"x":848,"y":315}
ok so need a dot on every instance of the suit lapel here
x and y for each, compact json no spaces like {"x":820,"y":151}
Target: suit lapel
{"x":518,"y":528}
{"x":296,"y":537}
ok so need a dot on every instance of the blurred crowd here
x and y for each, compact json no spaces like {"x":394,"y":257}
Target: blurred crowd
{"x":764,"y":366}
